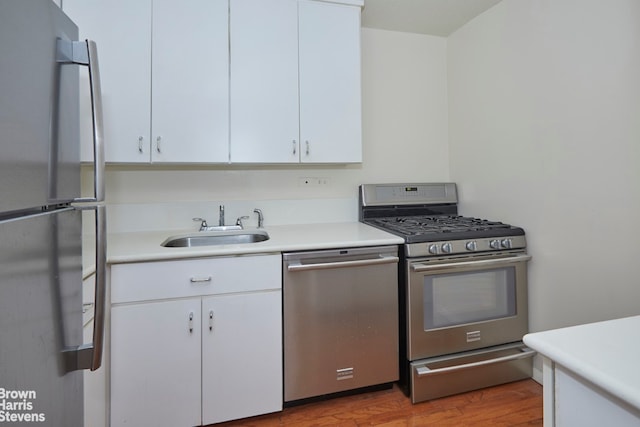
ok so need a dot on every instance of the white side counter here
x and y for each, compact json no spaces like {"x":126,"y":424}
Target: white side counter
{"x":591,"y":373}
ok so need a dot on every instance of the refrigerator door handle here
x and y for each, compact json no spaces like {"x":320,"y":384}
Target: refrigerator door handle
{"x":89,"y":356}
{"x":86,"y":53}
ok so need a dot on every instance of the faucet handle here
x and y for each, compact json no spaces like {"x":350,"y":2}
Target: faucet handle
{"x":260,"y":217}
{"x":203,"y":223}
{"x":239,"y":220}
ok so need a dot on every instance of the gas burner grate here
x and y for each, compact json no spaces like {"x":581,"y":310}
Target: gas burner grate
{"x":429,"y":227}
{"x":428,"y":213}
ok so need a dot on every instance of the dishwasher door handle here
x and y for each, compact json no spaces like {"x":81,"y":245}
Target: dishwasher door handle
{"x":297,"y":266}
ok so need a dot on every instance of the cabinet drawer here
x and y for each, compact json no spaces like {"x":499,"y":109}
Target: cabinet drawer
{"x":194,"y":277}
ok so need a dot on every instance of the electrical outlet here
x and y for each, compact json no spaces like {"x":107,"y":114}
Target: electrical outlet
{"x":309,"y":181}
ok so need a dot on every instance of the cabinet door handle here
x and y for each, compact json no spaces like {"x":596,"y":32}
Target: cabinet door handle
{"x":158,"y":140}
{"x":140,"y":139}
{"x":201,"y":279}
{"x":211,"y":320}
{"x":191,"y":322}
{"x":295,"y":146}
{"x":307,"y":143}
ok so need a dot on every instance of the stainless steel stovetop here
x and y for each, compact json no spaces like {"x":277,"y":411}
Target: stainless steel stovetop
{"x":426,"y":216}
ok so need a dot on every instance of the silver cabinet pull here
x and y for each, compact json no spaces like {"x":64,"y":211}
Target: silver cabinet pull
{"x":191,"y":322}
{"x":211,"y":320}
{"x":140,"y":139}
{"x":307,"y":143}
{"x":295,"y":146}
{"x":158,"y":140}
{"x":201,"y":279}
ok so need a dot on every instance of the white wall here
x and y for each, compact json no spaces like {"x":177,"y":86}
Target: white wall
{"x":405,"y":137}
{"x":544,"y":108}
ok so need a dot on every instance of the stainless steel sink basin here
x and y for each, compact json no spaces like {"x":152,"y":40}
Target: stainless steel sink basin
{"x":216,"y":238}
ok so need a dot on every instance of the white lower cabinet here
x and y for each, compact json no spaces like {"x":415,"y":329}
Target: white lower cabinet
{"x":155,"y":364}
{"x":571,"y":400}
{"x":241,"y":356}
{"x":206,"y":348}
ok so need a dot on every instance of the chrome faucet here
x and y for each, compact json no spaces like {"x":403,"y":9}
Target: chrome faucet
{"x":221,"y":220}
{"x":260,"y":217}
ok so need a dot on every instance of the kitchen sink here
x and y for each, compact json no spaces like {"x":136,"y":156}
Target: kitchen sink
{"x":215,"y":238}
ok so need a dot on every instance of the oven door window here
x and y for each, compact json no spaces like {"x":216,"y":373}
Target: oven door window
{"x":460,"y":298}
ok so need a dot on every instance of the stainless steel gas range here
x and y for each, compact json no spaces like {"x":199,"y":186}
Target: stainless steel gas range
{"x":462,"y":290}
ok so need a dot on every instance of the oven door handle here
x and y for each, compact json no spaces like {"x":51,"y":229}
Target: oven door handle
{"x":341,"y":264}
{"x":477,"y":263}
{"x":423,"y":371}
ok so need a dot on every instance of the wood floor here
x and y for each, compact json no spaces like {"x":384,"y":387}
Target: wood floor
{"x":508,"y":405}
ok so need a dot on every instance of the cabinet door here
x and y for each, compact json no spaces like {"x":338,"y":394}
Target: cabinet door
{"x":122,"y":32}
{"x":155,"y":364}
{"x":241,"y":355}
{"x":264,"y":81}
{"x":190,"y":81}
{"x":330,"y":94}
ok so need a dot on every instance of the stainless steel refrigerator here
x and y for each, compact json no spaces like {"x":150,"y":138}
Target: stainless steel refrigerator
{"x":42,"y":356}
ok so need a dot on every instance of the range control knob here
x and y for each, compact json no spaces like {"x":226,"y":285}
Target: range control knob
{"x":433,"y":249}
{"x":506,"y":243}
{"x":494,"y":244}
{"x":446,"y":248}
{"x":471,"y":246}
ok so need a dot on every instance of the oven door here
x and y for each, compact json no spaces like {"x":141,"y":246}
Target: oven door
{"x":465,"y":303}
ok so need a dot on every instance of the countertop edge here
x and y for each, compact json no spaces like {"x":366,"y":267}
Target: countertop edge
{"x":554,"y":345}
{"x":145,"y":246}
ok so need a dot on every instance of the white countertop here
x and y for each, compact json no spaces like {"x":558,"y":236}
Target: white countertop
{"x":145,"y":246}
{"x":604,"y":353}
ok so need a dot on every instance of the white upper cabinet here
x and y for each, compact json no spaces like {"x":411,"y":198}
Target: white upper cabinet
{"x":330,"y":89}
{"x":264,"y":81}
{"x":124,"y":57}
{"x":190,"y":81}
{"x":295,"y":82}
{"x":164,"y":75}
{"x":217,"y":81}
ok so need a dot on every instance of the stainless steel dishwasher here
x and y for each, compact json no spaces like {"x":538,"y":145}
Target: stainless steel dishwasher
{"x":340,"y":320}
